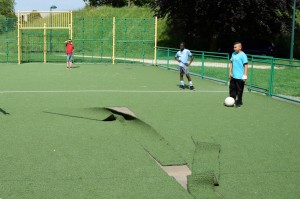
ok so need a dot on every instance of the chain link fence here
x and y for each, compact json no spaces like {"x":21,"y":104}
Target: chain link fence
{"x":96,"y":40}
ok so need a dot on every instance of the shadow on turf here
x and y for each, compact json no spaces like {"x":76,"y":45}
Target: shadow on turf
{"x":73,"y":116}
{"x":205,"y":170}
{"x":148,"y":138}
{"x":4,"y":112}
{"x":75,"y":67}
{"x":185,"y":86}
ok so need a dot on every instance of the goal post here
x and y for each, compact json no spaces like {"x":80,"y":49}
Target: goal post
{"x":39,"y":27}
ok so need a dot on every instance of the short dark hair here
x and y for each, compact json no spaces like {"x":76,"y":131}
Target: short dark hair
{"x":235,"y":43}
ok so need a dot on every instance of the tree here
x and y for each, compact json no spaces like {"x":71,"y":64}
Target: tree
{"x":204,"y":22}
{"x":142,"y":2}
{"x":34,"y":15}
{"x":114,"y":3}
{"x":7,"y":8}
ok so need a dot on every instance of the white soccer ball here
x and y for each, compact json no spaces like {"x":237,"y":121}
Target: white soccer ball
{"x":229,"y":101}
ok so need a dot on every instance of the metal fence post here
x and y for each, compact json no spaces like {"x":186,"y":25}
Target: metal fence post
{"x":271,"y":78}
{"x":6,"y":36}
{"x":227,"y":71}
{"x":155,"y":42}
{"x":45,"y":43}
{"x":113,"y":39}
{"x":93,"y":43}
{"x":168,"y":59}
{"x":83,"y":38}
{"x":19,"y":38}
{"x":251,"y":74}
{"x":202,"y":70}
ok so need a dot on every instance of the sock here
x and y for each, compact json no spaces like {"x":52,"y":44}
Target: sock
{"x":182,"y":83}
{"x":191,"y":83}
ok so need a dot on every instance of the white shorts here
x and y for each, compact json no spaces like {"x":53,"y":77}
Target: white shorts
{"x":183,"y":70}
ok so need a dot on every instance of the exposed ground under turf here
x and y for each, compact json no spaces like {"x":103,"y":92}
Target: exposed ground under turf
{"x":54,"y":144}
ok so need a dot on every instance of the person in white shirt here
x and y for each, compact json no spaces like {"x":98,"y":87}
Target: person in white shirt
{"x":182,"y":56}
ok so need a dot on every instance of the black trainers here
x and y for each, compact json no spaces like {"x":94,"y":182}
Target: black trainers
{"x":192,"y":88}
{"x":237,"y":106}
{"x":181,"y":87}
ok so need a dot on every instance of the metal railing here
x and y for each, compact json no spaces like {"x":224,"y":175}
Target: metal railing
{"x":268,"y":75}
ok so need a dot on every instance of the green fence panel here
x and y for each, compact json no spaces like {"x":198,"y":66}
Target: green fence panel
{"x":259,"y":74}
{"x":8,"y":40}
{"x":214,"y":66}
{"x":93,"y":40}
{"x":206,"y":64}
{"x":32,"y":43}
{"x":55,"y":45}
{"x":134,"y":40}
{"x":286,"y":79}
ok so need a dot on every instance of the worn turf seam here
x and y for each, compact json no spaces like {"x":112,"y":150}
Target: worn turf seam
{"x":205,"y":171}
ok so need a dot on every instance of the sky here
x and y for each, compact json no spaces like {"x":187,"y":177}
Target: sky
{"x":44,"y":5}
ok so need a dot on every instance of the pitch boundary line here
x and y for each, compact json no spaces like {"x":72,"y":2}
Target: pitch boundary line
{"x":111,"y":91}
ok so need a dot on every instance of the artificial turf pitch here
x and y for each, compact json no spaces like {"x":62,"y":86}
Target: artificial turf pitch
{"x":54,"y":144}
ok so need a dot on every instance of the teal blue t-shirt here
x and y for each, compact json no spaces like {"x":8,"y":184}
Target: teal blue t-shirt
{"x":238,"y":61}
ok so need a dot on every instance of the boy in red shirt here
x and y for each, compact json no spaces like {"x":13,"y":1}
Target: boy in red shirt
{"x":69,"y":51}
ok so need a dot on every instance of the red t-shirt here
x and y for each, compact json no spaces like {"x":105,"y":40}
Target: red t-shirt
{"x":69,"y":48}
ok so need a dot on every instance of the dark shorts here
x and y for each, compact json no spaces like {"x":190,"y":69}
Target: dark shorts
{"x":69,"y":57}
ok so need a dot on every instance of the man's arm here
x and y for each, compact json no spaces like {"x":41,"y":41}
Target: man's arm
{"x":230,"y":69}
{"x":245,"y":72}
{"x":177,"y":58}
{"x":191,"y":61}
{"x":245,"y":61}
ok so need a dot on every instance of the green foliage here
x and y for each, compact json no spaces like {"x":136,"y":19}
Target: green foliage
{"x":7,"y":8}
{"x":34,"y":15}
{"x":96,"y":3}
{"x":202,"y":23}
{"x":114,"y":3}
{"x":142,"y":2}
{"x":119,"y":3}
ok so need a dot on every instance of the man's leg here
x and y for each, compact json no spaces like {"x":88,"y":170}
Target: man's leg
{"x":71,"y":60}
{"x":181,"y":81}
{"x":188,"y":76}
{"x":232,"y":88}
{"x":181,"y":72}
{"x":240,"y":90}
{"x":68,"y":60}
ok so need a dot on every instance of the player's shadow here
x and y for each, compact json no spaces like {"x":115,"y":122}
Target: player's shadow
{"x":185,"y":86}
{"x":74,"y":116}
{"x":4,"y":112}
{"x":75,"y":67}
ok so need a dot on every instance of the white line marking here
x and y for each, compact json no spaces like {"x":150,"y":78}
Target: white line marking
{"x":112,"y":91}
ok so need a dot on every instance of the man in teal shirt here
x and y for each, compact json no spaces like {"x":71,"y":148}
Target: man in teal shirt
{"x":238,"y":70}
